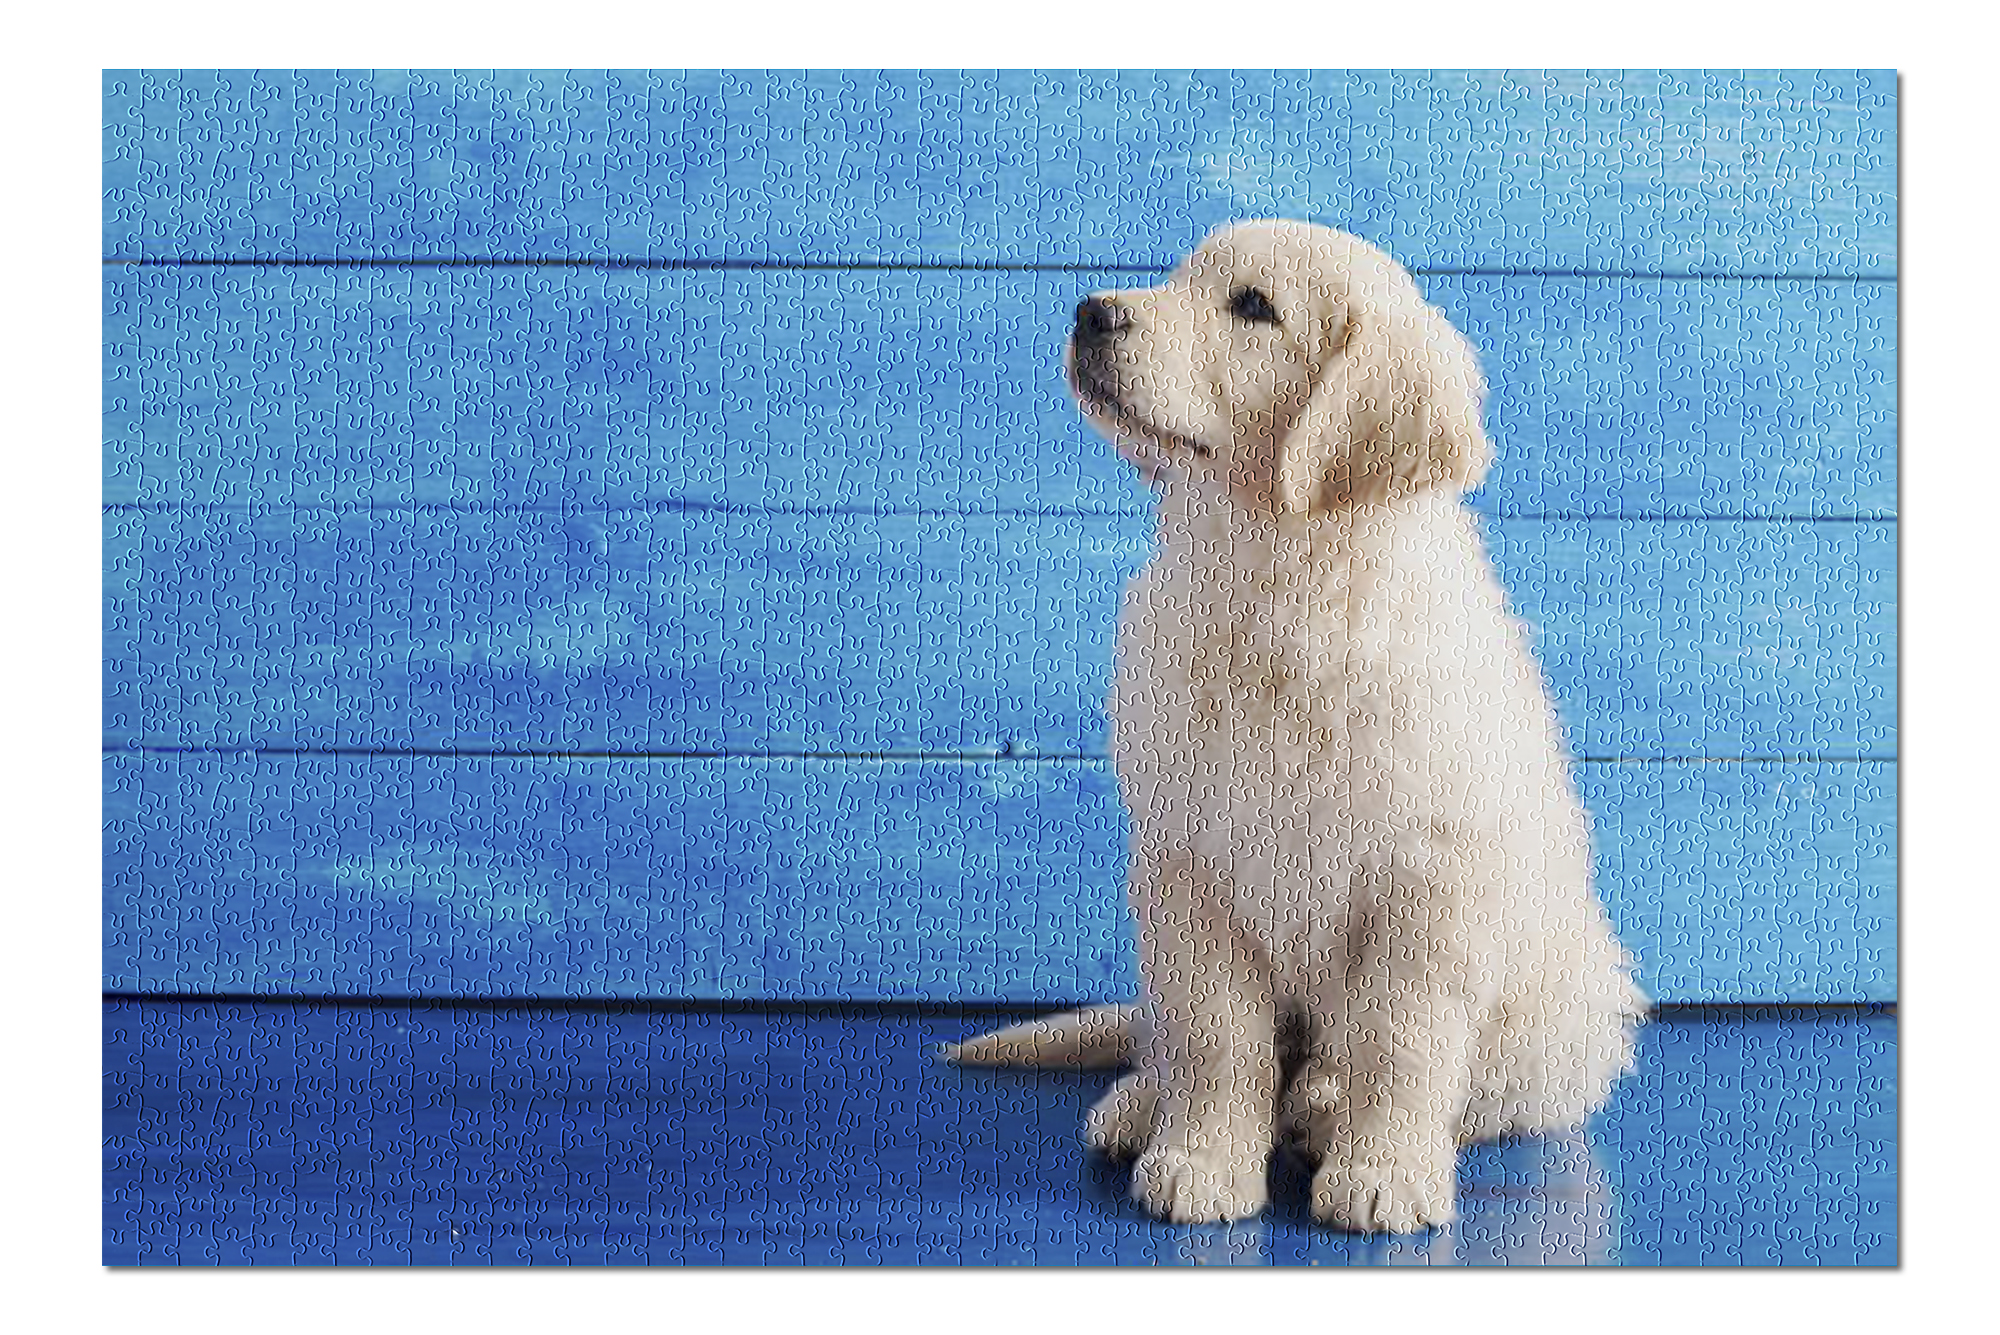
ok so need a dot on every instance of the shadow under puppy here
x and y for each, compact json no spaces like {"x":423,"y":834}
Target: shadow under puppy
{"x":1359,"y":867}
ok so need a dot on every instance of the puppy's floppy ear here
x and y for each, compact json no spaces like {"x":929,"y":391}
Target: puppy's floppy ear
{"x":1396,"y":408}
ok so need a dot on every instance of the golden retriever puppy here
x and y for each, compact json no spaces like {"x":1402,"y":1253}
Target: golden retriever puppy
{"x":1359,"y":867}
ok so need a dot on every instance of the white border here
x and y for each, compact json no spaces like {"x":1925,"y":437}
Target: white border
{"x":53,"y":671}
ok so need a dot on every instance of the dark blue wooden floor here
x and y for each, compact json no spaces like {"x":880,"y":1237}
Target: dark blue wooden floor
{"x":313,"y":1134}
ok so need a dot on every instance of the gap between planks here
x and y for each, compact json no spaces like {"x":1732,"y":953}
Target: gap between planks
{"x":958,"y":757}
{"x":885,"y":512}
{"x":918,"y":266}
{"x":1680,"y":1010}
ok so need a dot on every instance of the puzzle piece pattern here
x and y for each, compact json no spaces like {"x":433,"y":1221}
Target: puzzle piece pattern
{"x":433,"y":1135}
{"x":731,"y":619}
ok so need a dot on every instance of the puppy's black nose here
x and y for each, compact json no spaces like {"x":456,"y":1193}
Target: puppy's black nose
{"x":1097,"y":319}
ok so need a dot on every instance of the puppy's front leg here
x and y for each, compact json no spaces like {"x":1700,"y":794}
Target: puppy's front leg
{"x":1213,"y":1059}
{"x":1381,"y":1100}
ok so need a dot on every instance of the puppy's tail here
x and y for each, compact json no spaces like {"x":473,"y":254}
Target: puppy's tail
{"x":1094,"y":1036}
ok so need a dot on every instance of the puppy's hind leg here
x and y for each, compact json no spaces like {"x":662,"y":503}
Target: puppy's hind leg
{"x":1121,"y":1123}
{"x":1211,"y":1072}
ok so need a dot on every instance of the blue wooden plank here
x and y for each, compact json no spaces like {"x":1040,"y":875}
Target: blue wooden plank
{"x":920,"y":390}
{"x":937,"y":880}
{"x":284,"y":1134}
{"x":675,"y":631}
{"x":1711,"y":638}
{"x":470,"y":876}
{"x":1735,"y":881}
{"x":1627,"y":171}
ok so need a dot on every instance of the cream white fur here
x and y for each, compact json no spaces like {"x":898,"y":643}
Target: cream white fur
{"x":1359,"y":867}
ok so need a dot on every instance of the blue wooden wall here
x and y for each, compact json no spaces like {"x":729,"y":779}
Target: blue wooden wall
{"x":625,"y":534}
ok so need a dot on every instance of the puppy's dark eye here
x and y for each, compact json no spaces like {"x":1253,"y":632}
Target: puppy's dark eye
{"x":1247,"y":303}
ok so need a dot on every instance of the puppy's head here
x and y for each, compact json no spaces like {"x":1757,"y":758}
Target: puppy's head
{"x":1294,"y":365}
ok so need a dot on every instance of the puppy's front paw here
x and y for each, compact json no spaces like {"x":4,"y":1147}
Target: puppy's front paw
{"x":1383,"y":1189}
{"x":1199,"y":1186}
{"x":1121,"y":1123}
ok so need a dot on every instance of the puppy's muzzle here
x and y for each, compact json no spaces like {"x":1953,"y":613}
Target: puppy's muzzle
{"x":1099,"y":320}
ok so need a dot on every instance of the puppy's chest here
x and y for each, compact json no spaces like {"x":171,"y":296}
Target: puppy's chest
{"x":1283,"y":658}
